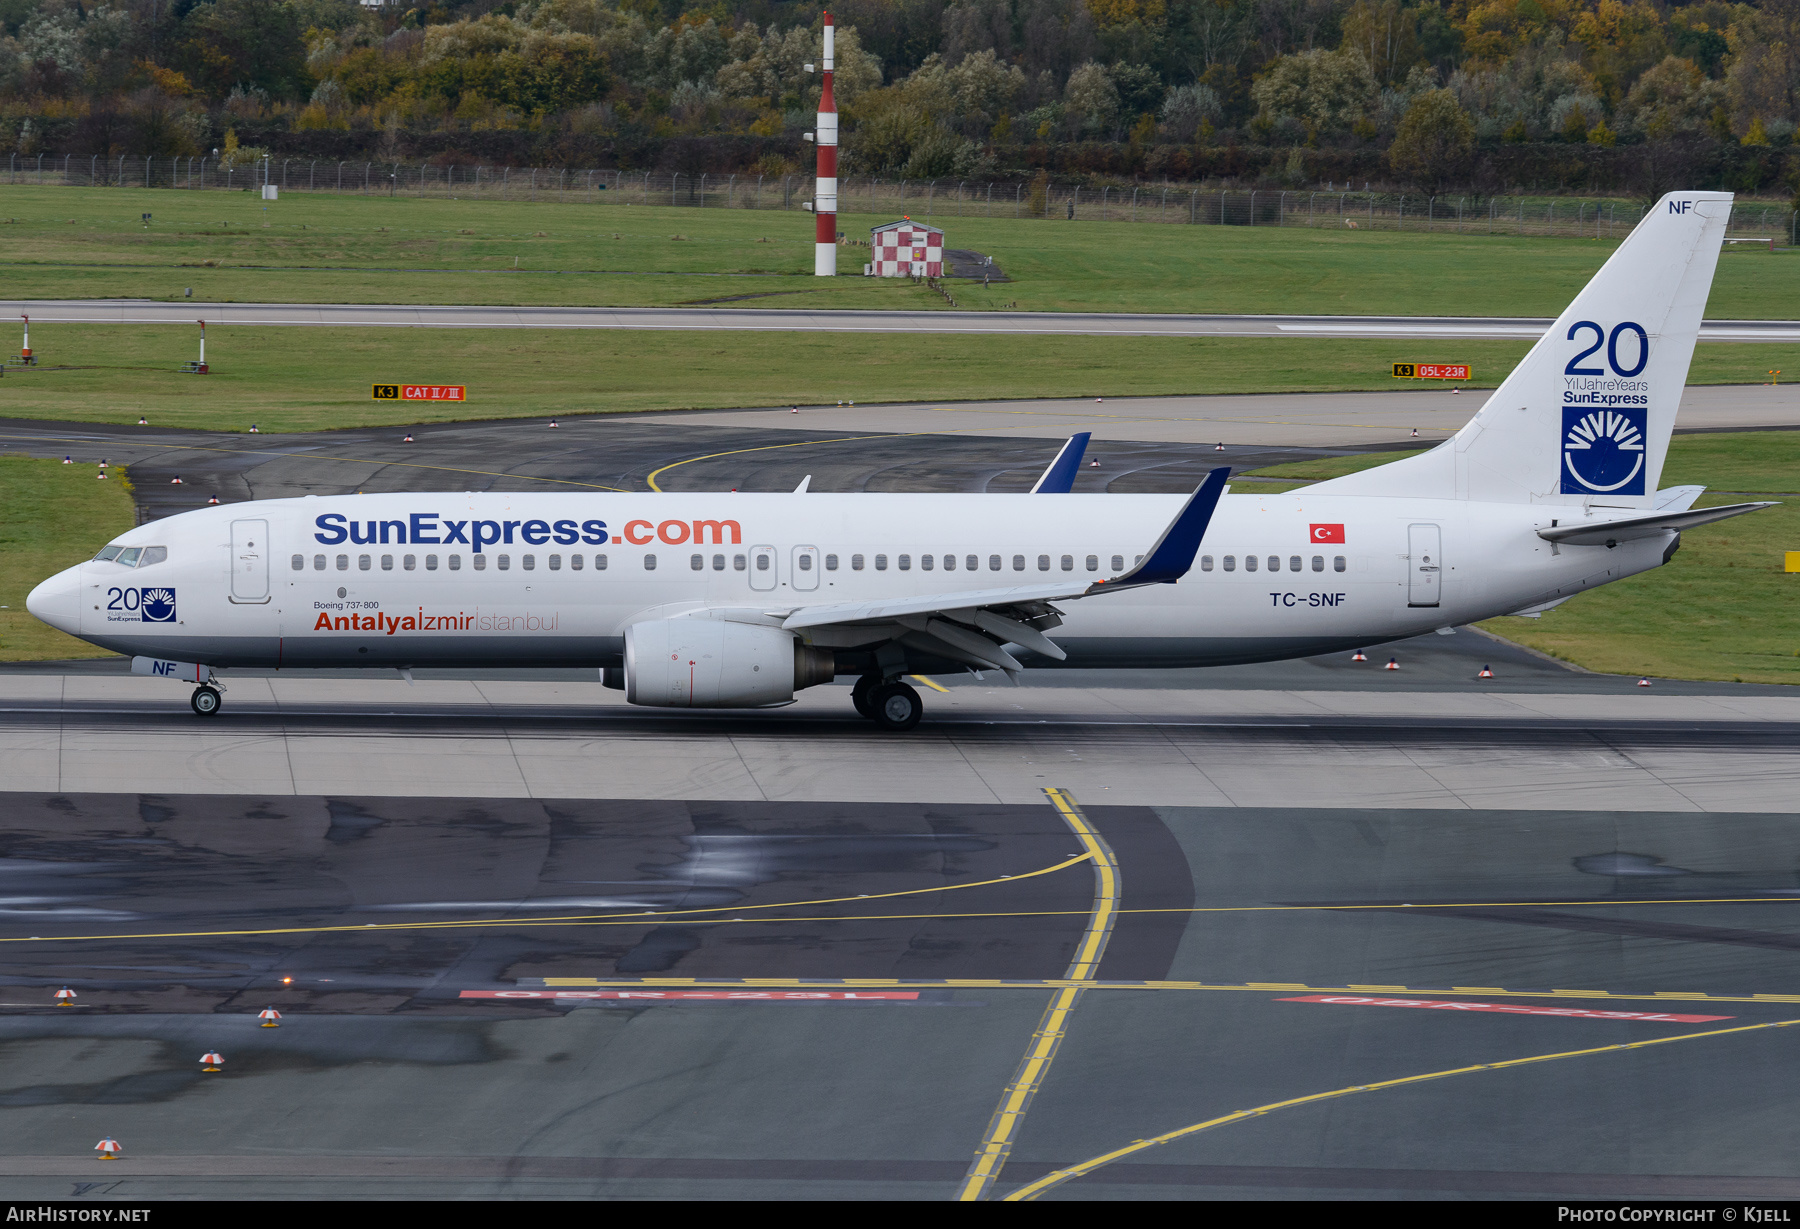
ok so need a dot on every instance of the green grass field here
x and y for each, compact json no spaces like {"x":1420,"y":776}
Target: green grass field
{"x":294,"y":379}
{"x":56,"y":515}
{"x":91,"y":243}
{"x":1722,"y":609}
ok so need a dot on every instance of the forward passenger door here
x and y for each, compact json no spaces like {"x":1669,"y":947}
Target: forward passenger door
{"x":805,"y":573}
{"x":762,"y":567}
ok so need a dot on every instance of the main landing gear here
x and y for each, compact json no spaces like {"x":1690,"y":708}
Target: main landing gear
{"x":205,"y":701}
{"x":890,"y":705}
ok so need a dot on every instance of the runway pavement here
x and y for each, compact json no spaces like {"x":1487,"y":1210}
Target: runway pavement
{"x":486,"y":997}
{"x":775,"y":319}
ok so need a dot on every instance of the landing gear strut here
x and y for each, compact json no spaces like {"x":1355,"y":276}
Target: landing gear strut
{"x":205,"y":701}
{"x":895,"y":706}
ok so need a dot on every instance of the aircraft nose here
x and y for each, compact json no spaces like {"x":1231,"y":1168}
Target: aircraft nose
{"x":58,"y":601}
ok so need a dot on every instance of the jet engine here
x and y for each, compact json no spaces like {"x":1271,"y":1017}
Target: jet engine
{"x":710,"y":663}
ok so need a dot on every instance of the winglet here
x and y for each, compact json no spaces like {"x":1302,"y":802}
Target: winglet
{"x":1059,"y":479}
{"x":1173,"y":554}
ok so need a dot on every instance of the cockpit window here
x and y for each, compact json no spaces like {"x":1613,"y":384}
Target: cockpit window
{"x":132,"y":556}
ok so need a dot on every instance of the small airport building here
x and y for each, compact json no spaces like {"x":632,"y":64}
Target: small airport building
{"x":905,"y":249}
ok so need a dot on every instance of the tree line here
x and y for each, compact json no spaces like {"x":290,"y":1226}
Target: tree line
{"x":1483,"y":95}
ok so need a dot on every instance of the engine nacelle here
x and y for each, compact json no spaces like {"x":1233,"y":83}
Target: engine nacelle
{"x":709,"y":663}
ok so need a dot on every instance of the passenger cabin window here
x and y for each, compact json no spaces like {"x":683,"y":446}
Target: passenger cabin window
{"x":600,"y":563}
{"x":528,"y":562}
{"x":762,"y":563}
{"x":575,"y":562}
{"x":1274,"y":563}
{"x":556,"y":563}
{"x":925,"y":562}
{"x":1043,"y":563}
{"x":1093,"y":563}
{"x":881,"y":563}
{"x":697,"y":562}
{"x":1205,"y":563}
{"x":299,"y":563}
{"x":1337,"y":563}
{"x":973,"y":563}
{"x":856,"y":563}
{"x":718,"y":563}
{"x":649,"y":563}
{"x":1118,"y":562}
{"x":1068,"y":563}
{"x":503,"y":562}
{"x":905,"y":563}
{"x":387,"y":563}
{"x":949,"y":563}
{"x":805,"y":562}
{"x":738,"y":563}
{"x":410,"y":562}
{"x":480,"y":562}
{"x":1318,"y":563}
{"x":1293,"y":563}
{"x":1231,"y":563}
{"x":1249,"y":563}
{"x":363,"y":563}
{"x":993,"y":563}
{"x":318,"y":563}
{"x":431,"y":562}
{"x":455,"y":562}
{"x":343,"y":563}
{"x":831,"y":563}
{"x":1018,"y":563}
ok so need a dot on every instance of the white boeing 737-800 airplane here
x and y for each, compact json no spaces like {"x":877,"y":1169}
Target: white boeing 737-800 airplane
{"x":737,"y":600}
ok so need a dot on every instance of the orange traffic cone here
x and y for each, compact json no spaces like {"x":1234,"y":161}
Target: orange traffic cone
{"x":143,"y":422}
{"x":408,"y":438}
{"x":65,"y":997}
{"x":1219,"y":447}
{"x":1393,"y":664}
{"x":175,"y":481}
{"x":269,"y":1017}
{"x":108,"y":1149}
{"x":1415,"y":433}
{"x":1486,"y":673}
{"x":553,"y":422}
{"x":1643,"y":682}
{"x":1359,"y":655}
{"x":212,"y":499}
{"x":213,"y":1060}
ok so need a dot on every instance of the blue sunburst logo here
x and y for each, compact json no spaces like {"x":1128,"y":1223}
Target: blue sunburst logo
{"x":158,"y":605}
{"x":1603,"y":451}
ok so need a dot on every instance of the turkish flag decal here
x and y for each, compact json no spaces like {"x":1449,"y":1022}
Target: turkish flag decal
{"x":1327,"y":533}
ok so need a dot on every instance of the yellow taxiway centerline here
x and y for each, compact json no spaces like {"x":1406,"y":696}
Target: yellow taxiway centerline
{"x":1060,"y":1176}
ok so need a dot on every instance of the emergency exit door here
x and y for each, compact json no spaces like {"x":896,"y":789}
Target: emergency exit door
{"x":763,"y":572}
{"x":1425,"y":565}
{"x":250,"y":561}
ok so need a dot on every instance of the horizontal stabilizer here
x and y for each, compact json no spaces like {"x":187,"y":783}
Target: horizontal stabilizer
{"x":1059,"y":479}
{"x":1611,"y":533}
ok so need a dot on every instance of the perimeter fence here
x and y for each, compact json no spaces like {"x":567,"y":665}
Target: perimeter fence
{"x":1172,"y":204}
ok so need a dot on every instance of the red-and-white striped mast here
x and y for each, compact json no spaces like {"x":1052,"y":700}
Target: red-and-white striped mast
{"x":825,"y":190}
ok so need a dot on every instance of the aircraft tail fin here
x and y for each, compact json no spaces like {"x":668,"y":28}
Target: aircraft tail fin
{"x":1585,"y":417}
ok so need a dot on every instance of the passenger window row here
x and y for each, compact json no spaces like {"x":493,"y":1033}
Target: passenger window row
{"x":410,"y":563}
{"x":1295,"y":563}
{"x":972,"y":563}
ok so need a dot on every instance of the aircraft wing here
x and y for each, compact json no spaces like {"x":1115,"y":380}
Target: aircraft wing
{"x":1610,"y":533}
{"x":972,"y":625}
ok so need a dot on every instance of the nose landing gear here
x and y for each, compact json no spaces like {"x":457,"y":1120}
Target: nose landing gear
{"x":205,"y":701}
